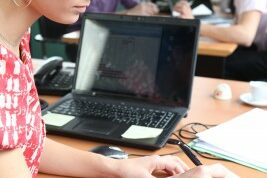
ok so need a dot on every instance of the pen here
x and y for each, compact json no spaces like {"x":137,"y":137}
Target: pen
{"x":186,"y":150}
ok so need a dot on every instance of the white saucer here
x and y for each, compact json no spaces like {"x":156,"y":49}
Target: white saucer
{"x":246,"y":98}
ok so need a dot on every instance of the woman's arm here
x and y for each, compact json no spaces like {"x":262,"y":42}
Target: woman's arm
{"x":59,"y":159}
{"x":13,"y":164}
{"x":243,"y":32}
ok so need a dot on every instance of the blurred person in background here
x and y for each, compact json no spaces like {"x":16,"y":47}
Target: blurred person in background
{"x":249,"y":61}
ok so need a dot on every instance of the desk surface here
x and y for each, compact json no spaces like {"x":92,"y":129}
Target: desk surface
{"x":205,"y":47}
{"x":215,"y":48}
{"x":204,"y":109}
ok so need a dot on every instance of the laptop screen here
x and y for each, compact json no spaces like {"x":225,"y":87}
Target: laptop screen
{"x":151,"y":59}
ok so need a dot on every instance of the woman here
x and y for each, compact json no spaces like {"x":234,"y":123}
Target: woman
{"x":249,"y":62}
{"x":24,"y":148}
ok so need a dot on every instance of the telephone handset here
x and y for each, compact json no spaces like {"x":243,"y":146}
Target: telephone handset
{"x":53,"y":78}
{"x":51,"y":67}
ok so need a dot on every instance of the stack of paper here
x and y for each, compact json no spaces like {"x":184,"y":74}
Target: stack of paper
{"x":242,"y":140}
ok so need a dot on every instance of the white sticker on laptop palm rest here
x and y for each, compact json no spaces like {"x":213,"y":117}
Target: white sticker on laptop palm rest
{"x":141,"y":132}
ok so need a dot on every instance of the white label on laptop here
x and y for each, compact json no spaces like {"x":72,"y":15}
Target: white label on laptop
{"x":57,"y":119}
{"x":141,"y":132}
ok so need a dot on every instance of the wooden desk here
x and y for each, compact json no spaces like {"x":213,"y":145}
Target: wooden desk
{"x":204,"y":109}
{"x":215,"y":48}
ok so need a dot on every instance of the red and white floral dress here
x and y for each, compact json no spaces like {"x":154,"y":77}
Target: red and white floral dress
{"x":21,"y":124}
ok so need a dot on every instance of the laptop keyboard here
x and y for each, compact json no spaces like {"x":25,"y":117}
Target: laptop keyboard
{"x":116,"y":113}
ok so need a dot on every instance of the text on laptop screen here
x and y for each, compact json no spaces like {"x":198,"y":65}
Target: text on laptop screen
{"x":137,"y":59}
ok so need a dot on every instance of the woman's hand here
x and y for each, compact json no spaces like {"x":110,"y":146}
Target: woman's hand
{"x":144,"y":167}
{"x":183,"y":7}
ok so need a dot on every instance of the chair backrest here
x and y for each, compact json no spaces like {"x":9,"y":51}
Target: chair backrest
{"x":50,"y":29}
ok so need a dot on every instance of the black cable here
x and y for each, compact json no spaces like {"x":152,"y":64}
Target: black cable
{"x":180,"y":134}
{"x":202,"y":154}
{"x":192,"y":131}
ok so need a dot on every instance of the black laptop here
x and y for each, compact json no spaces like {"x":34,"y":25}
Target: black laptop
{"x":131,"y":72}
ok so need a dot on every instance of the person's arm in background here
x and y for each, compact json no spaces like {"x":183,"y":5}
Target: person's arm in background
{"x":136,"y":7}
{"x":242,"y":33}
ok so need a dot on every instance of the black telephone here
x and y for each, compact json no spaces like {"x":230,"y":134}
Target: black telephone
{"x":52,"y":78}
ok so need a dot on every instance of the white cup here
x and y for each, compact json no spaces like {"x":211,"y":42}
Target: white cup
{"x":258,"y":90}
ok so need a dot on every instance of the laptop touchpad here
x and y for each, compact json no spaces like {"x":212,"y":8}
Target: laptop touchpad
{"x":95,"y":126}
